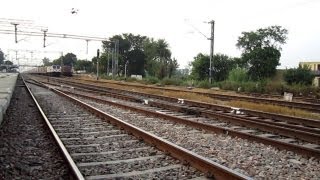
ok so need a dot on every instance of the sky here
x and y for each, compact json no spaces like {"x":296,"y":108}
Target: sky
{"x":178,"y":22}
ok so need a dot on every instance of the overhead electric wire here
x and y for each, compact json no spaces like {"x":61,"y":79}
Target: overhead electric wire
{"x":55,"y":35}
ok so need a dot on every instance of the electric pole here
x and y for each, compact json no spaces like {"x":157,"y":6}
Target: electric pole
{"x":44,"y":36}
{"x":61,"y":63}
{"x":17,"y":57}
{"x":211,"y":50}
{"x":108,"y":52}
{"x":211,"y":45}
{"x":112,"y":63}
{"x":15,"y":31}
{"x":98,"y":53}
{"x":31,"y":55}
{"x":116,"y":49}
{"x":87,"y":40}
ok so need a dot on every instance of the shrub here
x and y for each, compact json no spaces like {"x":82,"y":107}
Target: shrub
{"x":272,"y":87}
{"x":204,"y":84}
{"x":152,"y":80}
{"x":131,"y":79}
{"x":238,"y":75}
{"x":301,"y":75}
{"x":301,"y":90}
{"x":257,"y":87}
{"x":230,"y":85}
{"x":171,"y":81}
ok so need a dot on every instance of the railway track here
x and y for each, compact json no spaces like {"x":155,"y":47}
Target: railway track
{"x":297,"y":98}
{"x":313,"y":106}
{"x":302,"y":137}
{"x":100,"y":146}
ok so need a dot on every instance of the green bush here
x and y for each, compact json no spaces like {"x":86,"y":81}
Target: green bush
{"x":152,"y":80}
{"x":229,"y":85}
{"x":204,"y":84}
{"x":104,"y":76}
{"x":255,"y":87}
{"x":131,"y":79}
{"x":276,"y":87}
{"x":301,"y":75}
{"x":238,"y":75}
{"x":302,"y":90}
{"x":171,"y":81}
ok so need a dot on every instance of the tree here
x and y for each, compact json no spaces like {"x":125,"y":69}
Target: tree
{"x":8,"y":63}
{"x":83,"y":65}
{"x":69,"y":59}
{"x":261,"y":50}
{"x":301,"y":75}
{"x":1,"y":57}
{"x":222,"y":65}
{"x":46,"y":62}
{"x":126,"y":42}
{"x":200,"y":67}
{"x":143,"y":54}
{"x":163,"y":57}
{"x":136,"y":62}
{"x":263,"y":62}
{"x":173,"y":66}
{"x":150,"y":51}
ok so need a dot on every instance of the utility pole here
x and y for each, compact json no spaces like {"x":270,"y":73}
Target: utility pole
{"x":108,"y":61}
{"x":125,"y":70}
{"x":15,"y":31}
{"x":44,"y":36}
{"x":31,"y":55}
{"x":17,"y":57}
{"x":116,"y":49}
{"x":61,"y":63}
{"x":87,"y":40}
{"x":211,"y":49}
{"x":98,"y":53}
{"x":112,"y":65}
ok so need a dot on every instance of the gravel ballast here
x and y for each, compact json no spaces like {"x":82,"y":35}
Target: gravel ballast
{"x":250,"y":158}
{"x":27,"y":150}
{"x":101,"y":150}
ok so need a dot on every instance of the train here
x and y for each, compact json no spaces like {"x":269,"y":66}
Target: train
{"x":53,"y":70}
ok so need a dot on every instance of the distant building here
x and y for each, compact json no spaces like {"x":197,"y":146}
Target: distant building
{"x":315,"y":68}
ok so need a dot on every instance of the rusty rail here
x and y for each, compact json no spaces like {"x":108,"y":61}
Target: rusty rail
{"x":283,"y":145}
{"x":73,"y":167}
{"x":291,"y":119}
{"x":205,"y":165}
{"x":315,"y":107}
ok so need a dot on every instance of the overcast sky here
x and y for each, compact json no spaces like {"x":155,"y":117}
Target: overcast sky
{"x":168,"y":19}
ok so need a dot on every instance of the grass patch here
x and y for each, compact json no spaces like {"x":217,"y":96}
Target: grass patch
{"x":274,"y":109}
{"x":201,"y":98}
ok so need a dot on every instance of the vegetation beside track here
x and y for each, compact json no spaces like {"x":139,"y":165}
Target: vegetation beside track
{"x":274,"y":109}
{"x":196,"y":97}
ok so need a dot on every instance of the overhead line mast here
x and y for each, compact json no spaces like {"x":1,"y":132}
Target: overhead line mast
{"x":15,"y":31}
{"x":211,"y":49}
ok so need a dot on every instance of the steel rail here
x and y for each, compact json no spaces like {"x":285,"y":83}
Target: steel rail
{"x":285,"y":131}
{"x":73,"y":167}
{"x":283,"y":145}
{"x":205,"y":165}
{"x":301,"y":105}
{"x":291,"y":119}
{"x":302,"y":133}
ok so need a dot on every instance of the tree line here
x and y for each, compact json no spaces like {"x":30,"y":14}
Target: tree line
{"x":3,"y":60}
{"x":142,"y":55}
{"x":261,"y":52}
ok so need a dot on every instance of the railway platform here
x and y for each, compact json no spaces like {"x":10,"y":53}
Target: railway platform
{"x":7,"y":84}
